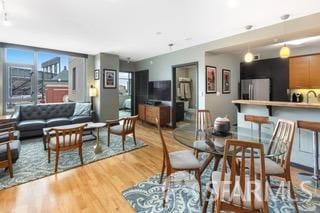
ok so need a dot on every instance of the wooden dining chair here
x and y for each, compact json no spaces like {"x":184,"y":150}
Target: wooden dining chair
{"x":280,"y":148}
{"x":65,"y":139}
{"x":203,"y":123}
{"x":122,"y":127}
{"x":279,"y":165}
{"x":177,"y":161}
{"x":244,"y":192}
{"x":9,"y":145}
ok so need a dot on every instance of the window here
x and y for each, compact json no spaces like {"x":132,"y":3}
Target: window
{"x":35,"y":76}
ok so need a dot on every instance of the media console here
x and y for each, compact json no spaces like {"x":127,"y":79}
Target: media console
{"x":149,"y":113}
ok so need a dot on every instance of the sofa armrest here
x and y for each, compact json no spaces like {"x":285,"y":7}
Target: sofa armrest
{"x":16,"y":115}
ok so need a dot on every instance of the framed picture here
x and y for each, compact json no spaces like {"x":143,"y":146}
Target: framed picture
{"x":109,"y":79}
{"x":226,"y":81}
{"x":211,"y":79}
{"x":96,"y":74}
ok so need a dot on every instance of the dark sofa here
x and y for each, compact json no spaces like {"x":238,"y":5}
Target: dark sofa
{"x":31,"y":119}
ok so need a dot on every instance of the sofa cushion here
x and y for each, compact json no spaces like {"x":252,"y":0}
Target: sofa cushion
{"x":31,"y":125}
{"x":46,"y":111}
{"x":82,"y":109}
{"x":15,"y":150}
{"x":58,"y":122}
{"x":80,"y":119}
{"x":5,"y":137}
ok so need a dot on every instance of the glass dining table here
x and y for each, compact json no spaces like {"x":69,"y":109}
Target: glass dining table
{"x":214,"y":144}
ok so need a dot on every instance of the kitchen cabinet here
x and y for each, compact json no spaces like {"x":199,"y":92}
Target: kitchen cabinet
{"x":314,"y":79}
{"x":304,"y":72}
{"x":299,"y":72}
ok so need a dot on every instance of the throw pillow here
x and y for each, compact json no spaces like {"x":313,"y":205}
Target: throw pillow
{"x":82,"y":109}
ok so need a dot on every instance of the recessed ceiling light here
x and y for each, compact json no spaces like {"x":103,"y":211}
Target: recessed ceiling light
{"x":187,"y":38}
{"x":233,"y":3}
{"x":158,"y":33}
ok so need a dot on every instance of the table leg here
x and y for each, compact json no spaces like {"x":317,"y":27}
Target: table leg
{"x":97,"y":147}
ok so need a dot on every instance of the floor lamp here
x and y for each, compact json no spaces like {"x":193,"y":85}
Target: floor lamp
{"x":92,"y":94}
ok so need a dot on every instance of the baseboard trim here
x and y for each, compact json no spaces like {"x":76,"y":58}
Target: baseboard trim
{"x":299,"y":166}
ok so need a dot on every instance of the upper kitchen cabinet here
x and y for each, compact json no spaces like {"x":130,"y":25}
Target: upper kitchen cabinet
{"x":304,"y":72}
{"x":299,"y":72}
{"x":314,"y":79}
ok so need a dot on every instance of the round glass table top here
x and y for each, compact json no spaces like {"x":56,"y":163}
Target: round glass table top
{"x":186,"y":135}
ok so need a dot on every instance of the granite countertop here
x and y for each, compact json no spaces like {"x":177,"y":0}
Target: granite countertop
{"x":278,"y":104}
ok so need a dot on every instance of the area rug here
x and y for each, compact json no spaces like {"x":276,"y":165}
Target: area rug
{"x":33,"y":161}
{"x":183,"y":196}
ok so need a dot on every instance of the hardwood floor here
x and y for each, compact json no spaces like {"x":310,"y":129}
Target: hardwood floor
{"x":94,"y":187}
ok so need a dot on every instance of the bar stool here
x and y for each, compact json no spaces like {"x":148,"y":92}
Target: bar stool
{"x":259,"y":120}
{"x":315,"y":128}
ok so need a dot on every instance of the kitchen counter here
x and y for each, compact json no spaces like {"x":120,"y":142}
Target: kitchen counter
{"x":278,"y":104}
{"x":302,"y":147}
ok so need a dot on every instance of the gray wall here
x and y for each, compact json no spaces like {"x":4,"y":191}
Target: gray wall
{"x":160,"y":67}
{"x":107,"y":101}
{"x":126,"y":67}
{"x":220,"y":104}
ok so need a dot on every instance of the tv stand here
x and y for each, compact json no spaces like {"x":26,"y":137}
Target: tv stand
{"x":152,"y":102}
{"x":149,"y":113}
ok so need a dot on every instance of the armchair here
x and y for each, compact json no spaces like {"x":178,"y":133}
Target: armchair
{"x":9,"y":145}
{"x":122,"y":127}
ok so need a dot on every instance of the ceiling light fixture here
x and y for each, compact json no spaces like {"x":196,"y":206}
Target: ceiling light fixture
{"x":128,"y":60}
{"x":5,"y":21}
{"x":170,"y":46}
{"x":285,"y":50}
{"x":233,"y":3}
{"x":248,"y":57}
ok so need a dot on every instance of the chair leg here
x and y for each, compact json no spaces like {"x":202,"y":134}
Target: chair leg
{"x":134,"y":137}
{"x":162,"y":170}
{"x":198,"y":176}
{"x":10,"y":170}
{"x":292,"y":194}
{"x":108,"y":137}
{"x":57,"y":160}
{"x":48,"y":154}
{"x":80,"y":154}
{"x":196,"y":153}
{"x":123,"y":139}
{"x":167,"y":181}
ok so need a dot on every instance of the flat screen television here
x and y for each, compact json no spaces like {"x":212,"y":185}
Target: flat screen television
{"x":159,"y":90}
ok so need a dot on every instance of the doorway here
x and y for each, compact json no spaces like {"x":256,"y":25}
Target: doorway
{"x":185,"y":93}
{"x":125,"y":94}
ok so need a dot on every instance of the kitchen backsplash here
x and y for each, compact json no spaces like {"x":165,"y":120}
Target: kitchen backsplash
{"x":304,"y":92}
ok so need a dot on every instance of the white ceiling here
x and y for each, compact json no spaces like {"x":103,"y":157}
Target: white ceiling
{"x":128,"y":27}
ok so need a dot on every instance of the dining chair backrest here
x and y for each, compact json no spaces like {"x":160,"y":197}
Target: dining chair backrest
{"x":129,"y":123}
{"x":281,"y":142}
{"x":203,"y":121}
{"x":68,"y":137}
{"x":164,"y":146}
{"x":246,"y":181}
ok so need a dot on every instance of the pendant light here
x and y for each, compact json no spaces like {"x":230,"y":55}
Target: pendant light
{"x":248,"y":57}
{"x":285,"y":50}
{"x":5,"y":21}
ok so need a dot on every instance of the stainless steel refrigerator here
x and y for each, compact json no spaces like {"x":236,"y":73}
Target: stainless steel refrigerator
{"x":255,"y":89}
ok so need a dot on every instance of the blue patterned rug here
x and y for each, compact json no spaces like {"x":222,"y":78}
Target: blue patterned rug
{"x":183,"y":196}
{"x":33,"y":161}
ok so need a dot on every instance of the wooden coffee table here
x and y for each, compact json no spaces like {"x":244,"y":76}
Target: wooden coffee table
{"x":90,"y":126}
